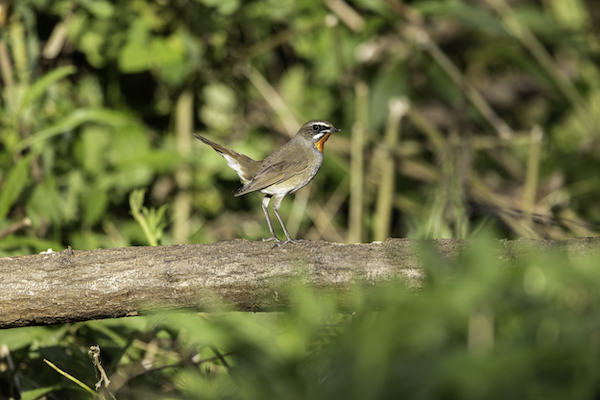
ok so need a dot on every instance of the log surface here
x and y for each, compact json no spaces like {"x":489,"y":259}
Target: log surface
{"x":70,"y":286}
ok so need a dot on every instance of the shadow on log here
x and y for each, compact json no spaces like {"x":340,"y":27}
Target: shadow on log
{"x":70,"y":286}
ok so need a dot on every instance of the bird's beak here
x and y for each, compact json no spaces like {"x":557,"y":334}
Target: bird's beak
{"x":336,"y":130}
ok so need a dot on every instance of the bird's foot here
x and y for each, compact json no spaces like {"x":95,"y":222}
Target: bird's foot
{"x":272,"y":238}
{"x":290,"y":240}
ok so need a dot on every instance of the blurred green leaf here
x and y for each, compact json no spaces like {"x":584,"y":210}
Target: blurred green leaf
{"x":225,"y":7}
{"x":76,"y":118}
{"x":44,"y":205}
{"x":34,"y":394}
{"x":136,"y":55}
{"x":70,"y":199}
{"x":91,"y":43}
{"x":95,"y":201}
{"x":16,"y":180}
{"x":91,"y":148}
{"x":99,"y":8}
{"x":134,"y":58}
{"x":16,"y":339}
{"x":218,"y":111}
{"x":128,"y":142}
{"x":169,"y":57}
{"x":38,"y":88}
{"x":126,"y":179}
{"x":159,"y":161}
{"x":294,"y":87}
{"x":475,"y":16}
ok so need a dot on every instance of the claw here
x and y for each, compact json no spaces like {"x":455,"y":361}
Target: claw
{"x":294,"y":241}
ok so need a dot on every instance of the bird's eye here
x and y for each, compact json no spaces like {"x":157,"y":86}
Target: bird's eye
{"x":315,"y":128}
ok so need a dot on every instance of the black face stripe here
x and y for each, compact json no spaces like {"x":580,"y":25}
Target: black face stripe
{"x":321,"y":126}
{"x":320,"y":129}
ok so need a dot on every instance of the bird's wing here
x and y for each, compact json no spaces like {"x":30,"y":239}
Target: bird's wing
{"x":273,"y":174}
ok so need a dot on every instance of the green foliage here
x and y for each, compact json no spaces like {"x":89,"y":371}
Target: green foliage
{"x":478,"y":329}
{"x":105,"y":114}
{"x":15,"y":182}
{"x":150,"y":220}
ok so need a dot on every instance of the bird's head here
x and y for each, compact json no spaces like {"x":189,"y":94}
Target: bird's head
{"x":317,"y":132}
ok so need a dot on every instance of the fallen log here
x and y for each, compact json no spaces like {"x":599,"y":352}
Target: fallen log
{"x":69,"y":286}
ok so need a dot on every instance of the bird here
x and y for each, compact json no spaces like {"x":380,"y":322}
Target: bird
{"x":287,"y":170}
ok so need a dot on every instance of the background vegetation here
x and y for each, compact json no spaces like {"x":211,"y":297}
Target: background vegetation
{"x":455,"y":116}
{"x":458,"y":117}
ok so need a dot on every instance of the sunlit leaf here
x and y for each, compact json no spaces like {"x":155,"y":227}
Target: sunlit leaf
{"x":134,"y":58}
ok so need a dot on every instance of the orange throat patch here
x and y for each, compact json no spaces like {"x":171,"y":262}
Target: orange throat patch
{"x":319,"y":145}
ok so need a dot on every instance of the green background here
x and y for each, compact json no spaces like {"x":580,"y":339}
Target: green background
{"x":498,"y":124}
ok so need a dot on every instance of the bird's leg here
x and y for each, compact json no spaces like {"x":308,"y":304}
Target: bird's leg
{"x":265,"y":203}
{"x":276,"y":204}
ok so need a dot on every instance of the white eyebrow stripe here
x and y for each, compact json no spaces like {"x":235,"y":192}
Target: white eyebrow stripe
{"x":323,"y":127}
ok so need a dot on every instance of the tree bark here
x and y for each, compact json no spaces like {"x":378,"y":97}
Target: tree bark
{"x":70,"y":286}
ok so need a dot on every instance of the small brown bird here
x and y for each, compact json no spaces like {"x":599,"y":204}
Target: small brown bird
{"x":287,"y":170}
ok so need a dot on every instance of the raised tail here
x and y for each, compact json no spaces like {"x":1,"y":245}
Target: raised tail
{"x":243,"y":165}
